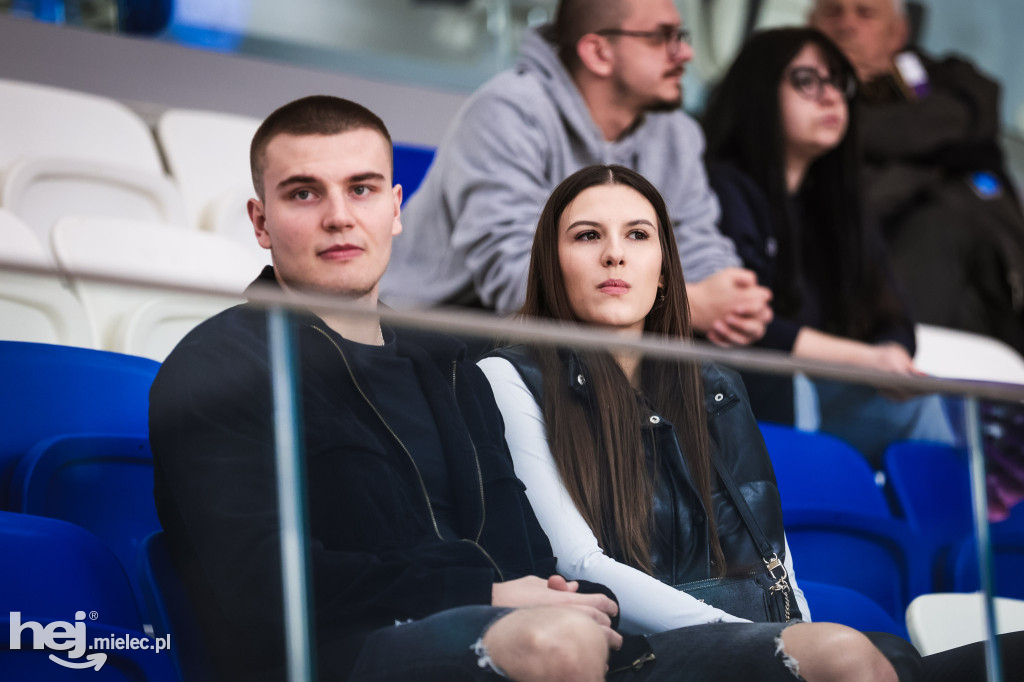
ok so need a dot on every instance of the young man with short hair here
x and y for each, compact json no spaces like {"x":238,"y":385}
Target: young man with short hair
{"x":599,"y":85}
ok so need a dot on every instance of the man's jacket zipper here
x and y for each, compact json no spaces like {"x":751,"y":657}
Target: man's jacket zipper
{"x":419,"y":477}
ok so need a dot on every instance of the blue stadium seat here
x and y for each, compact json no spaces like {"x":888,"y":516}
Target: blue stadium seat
{"x":411,"y":164}
{"x":51,"y":572}
{"x":63,"y":390}
{"x":1008,"y":562}
{"x":819,"y":471}
{"x":100,"y":482}
{"x":836,"y":604}
{"x":169,"y":610}
{"x":838,"y":522}
{"x":880,"y":558}
{"x":931,"y":483}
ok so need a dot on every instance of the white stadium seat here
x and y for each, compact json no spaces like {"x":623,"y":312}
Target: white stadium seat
{"x":67,"y":152}
{"x":942,"y":621}
{"x":153,"y":252}
{"x":34,"y":307}
{"x":208,"y":155}
{"x":954,"y":354}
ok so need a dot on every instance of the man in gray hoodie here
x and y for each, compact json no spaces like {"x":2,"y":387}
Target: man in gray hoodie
{"x":600,"y":85}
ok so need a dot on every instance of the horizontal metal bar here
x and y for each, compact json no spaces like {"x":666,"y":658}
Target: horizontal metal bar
{"x":548,"y":332}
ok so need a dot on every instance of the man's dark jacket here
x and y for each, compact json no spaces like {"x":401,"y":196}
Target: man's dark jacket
{"x":376,"y":557}
{"x":937,"y":181}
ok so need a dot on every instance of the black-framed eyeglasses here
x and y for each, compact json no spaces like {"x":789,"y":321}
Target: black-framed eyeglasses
{"x":672,"y":37}
{"x":810,"y":84}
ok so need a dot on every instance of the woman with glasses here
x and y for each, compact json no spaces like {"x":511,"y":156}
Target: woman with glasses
{"x":782,"y":158}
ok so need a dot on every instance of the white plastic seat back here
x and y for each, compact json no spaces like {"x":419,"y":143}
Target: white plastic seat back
{"x":227,"y":215}
{"x":207,"y":153}
{"x":154,"y":328}
{"x":39,"y":120}
{"x":41,"y":190}
{"x":942,"y":621}
{"x":20,"y":244}
{"x":954,"y":354}
{"x":34,"y":307}
{"x":66,"y":152}
{"x":153,"y":252}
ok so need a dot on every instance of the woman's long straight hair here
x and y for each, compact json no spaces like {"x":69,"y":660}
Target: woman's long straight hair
{"x":828,"y":247}
{"x":598,"y":445}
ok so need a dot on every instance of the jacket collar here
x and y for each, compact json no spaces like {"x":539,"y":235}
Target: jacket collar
{"x":441,"y":347}
{"x":719,"y":391}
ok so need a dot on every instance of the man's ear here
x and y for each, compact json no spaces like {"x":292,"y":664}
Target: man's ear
{"x":396,"y":227}
{"x":258,"y":218}
{"x":595,"y":53}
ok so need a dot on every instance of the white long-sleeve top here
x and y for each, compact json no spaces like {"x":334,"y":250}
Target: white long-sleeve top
{"x":646,"y":605}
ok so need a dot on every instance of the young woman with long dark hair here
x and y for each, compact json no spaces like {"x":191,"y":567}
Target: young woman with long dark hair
{"x":623,"y":456}
{"x":783,"y":159}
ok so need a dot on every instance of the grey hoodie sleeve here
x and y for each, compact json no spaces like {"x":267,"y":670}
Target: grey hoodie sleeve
{"x":672,"y":157}
{"x":496,"y":184}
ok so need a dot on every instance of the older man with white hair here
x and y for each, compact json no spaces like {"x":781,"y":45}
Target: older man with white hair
{"x":937,"y":180}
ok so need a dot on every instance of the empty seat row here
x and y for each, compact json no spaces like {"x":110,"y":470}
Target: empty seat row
{"x":843,"y":530}
{"x":147,"y":322}
{"x":57,"y":577}
{"x":83,"y":188}
{"x":65,"y":152}
{"x":74,"y":449}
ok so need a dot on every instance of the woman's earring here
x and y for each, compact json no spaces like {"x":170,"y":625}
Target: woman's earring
{"x":661,"y":295}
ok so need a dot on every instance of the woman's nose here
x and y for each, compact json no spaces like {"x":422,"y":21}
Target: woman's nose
{"x":613,"y":253}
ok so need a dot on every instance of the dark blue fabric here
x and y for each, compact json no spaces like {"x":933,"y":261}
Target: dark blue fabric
{"x":408,"y":413}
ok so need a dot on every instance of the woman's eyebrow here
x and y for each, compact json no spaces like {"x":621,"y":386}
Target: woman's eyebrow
{"x":587,"y":223}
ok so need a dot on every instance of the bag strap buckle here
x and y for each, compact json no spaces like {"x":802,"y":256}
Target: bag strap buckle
{"x":780,"y":584}
{"x":772,"y":564}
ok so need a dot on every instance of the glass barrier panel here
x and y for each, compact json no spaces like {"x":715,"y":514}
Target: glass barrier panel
{"x":326,"y":504}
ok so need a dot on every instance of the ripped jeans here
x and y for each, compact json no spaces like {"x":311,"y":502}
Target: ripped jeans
{"x":439,"y":648}
{"x":717,"y":652}
{"x":443,"y":648}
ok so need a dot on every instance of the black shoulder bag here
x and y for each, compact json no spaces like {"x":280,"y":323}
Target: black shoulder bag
{"x":760,"y":596}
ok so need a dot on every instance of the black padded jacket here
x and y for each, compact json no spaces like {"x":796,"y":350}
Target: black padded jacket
{"x":681,"y":551}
